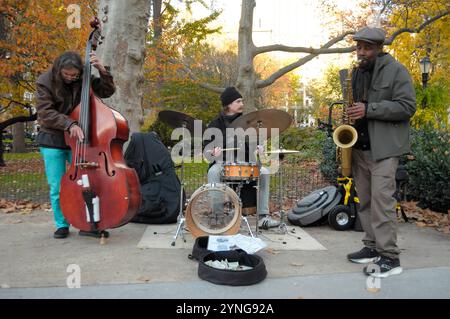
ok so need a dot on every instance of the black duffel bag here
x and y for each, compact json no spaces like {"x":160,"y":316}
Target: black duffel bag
{"x":160,"y":186}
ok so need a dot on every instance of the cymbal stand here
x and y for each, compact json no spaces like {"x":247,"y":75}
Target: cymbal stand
{"x":181,"y":218}
{"x":258,"y":162}
{"x":283,"y":228}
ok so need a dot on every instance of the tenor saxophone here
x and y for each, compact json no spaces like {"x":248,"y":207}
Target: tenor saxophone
{"x":345,"y":135}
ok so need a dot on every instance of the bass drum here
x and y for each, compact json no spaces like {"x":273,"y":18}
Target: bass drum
{"x":214,"y":209}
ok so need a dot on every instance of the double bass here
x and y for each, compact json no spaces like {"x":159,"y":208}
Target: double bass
{"x":99,"y":191}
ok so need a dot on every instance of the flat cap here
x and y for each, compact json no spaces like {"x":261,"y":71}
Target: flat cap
{"x":371,"y":35}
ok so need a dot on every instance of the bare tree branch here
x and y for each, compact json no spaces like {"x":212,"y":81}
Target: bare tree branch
{"x":188,"y":72}
{"x":275,"y":76}
{"x":326,"y":50}
{"x":415,"y":30}
{"x":279,"y":47}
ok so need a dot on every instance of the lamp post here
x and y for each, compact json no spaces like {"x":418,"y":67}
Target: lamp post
{"x":425,"y":68}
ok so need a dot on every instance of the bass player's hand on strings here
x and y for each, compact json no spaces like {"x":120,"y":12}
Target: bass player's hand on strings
{"x":76,"y":131}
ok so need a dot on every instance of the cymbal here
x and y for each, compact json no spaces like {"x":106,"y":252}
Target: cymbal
{"x":177,"y":119}
{"x":282,"y":151}
{"x":267,"y":119}
{"x":225,"y":149}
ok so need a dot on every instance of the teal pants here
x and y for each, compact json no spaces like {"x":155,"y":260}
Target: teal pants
{"x":55,"y":167}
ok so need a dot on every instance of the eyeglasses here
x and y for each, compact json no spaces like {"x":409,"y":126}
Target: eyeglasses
{"x":70,"y":76}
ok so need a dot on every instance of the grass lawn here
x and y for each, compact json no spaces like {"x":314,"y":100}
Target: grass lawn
{"x":21,"y":156}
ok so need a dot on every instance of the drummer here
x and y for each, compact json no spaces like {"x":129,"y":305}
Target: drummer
{"x":233,"y":106}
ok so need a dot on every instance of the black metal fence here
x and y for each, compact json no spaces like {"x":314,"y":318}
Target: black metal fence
{"x":24,"y":179}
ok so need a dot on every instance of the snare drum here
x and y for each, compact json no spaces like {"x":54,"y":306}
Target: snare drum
{"x":240,"y":171}
{"x":213,"y":209}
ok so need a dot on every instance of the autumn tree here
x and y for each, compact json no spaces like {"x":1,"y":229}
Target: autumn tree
{"x":434,"y":42}
{"x":32,"y":34}
{"x":247,"y":81}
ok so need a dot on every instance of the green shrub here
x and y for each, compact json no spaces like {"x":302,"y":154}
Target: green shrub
{"x":328,"y":166}
{"x":429,"y":178}
{"x":307,"y":140}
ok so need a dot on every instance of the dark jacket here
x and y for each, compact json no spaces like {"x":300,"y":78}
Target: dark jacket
{"x":53,"y":110}
{"x":221,"y":123}
{"x":391,"y":104}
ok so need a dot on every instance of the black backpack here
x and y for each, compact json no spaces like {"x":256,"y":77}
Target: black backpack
{"x":160,"y":186}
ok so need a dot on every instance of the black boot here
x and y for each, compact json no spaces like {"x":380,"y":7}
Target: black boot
{"x":61,"y":232}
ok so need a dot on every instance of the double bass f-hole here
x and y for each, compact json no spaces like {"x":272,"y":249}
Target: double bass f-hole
{"x":113,"y":172}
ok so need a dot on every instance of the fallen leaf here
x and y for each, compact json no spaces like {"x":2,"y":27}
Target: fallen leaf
{"x":420,"y":224}
{"x":144,"y":279}
{"x":297,"y":264}
{"x":373,"y":290}
{"x":272,"y":251}
{"x":26,"y":211}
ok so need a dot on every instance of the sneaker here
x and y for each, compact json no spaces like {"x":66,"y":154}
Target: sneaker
{"x":268,"y":222}
{"x":384,"y":267}
{"x":95,"y":233}
{"x":364,"y":256}
{"x":61,"y":232}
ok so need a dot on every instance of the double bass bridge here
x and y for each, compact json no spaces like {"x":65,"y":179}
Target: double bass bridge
{"x":88,"y":165}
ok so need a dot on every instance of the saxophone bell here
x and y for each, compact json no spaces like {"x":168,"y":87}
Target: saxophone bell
{"x":345,"y":136}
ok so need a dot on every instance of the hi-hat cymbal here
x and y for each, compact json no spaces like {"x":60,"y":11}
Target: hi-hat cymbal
{"x":282,"y":151}
{"x":267,"y":119}
{"x":225,"y":149}
{"x":177,"y":119}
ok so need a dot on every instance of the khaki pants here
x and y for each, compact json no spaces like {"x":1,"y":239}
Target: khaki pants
{"x":375,"y":186}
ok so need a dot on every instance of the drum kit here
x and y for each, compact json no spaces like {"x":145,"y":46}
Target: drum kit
{"x":202,"y":216}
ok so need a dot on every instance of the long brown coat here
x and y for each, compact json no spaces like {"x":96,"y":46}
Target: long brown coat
{"x":53,"y":110}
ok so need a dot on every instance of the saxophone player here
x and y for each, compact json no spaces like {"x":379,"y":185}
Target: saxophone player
{"x":384,"y":102}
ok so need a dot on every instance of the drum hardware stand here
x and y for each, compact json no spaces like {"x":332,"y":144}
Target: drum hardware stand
{"x":238,"y":193}
{"x":258,"y":162}
{"x":181,"y":218}
{"x":244,"y":218}
{"x":283,"y":227}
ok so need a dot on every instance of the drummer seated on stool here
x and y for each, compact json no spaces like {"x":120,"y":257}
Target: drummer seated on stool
{"x":233,"y":107}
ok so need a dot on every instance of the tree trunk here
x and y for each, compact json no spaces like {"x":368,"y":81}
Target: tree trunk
{"x":3,"y":33}
{"x":157,"y":27}
{"x":124,"y":28}
{"x":2,"y":160}
{"x":246,"y":81}
{"x":157,"y":34}
{"x":18,"y":132}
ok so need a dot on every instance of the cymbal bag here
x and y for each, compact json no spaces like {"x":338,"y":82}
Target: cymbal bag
{"x":314,"y":207}
{"x":200,"y":248}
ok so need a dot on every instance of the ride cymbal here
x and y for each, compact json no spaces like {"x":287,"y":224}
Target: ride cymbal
{"x":177,"y":119}
{"x":267,"y":119}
